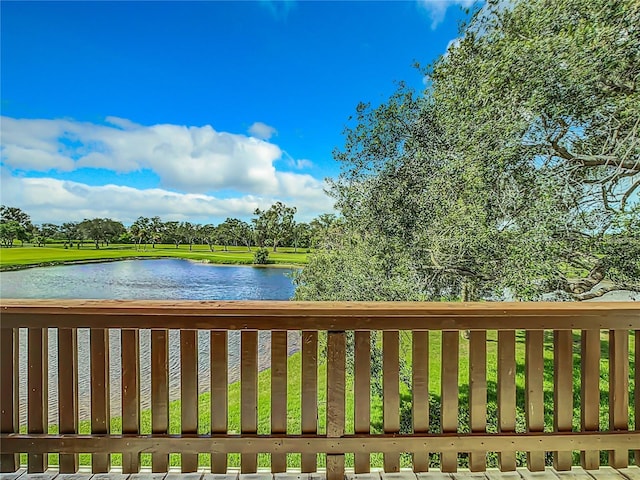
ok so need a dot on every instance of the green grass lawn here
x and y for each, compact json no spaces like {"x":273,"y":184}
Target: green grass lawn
{"x":56,"y":254}
{"x":294,"y":400}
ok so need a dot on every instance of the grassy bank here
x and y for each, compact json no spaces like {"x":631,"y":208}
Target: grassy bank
{"x":294,"y":400}
{"x":30,"y":256}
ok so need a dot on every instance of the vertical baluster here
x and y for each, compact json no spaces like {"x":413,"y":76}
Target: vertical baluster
{"x":37,"y":421}
{"x":590,"y":392}
{"x":478,"y":394}
{"x":309,"y":394}
{"x":99,"y":345}
{"x":249,"y":395}
{"x":362,"y":394}
{"x":159,"y":393}
{"x":637,"y":390}
{"x":8,"y":407}
{"x":336,"y":363}
{"x":278,"y":395}
{"x":68,"y":391}
{"x":563,"y":392}
{"x":391,"y":393}
{"x":219,"y":394}
{"x":618,"y":392}
{"x":130,"y":353}
{"x":450,"y":392}
{"x":420,"y":401}
{"x":189,"y":393}
{"x":534,"y":393}
{"x":507,"y":393}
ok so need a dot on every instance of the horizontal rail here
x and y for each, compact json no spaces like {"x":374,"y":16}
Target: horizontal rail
{"x":274,"y":443}
{"x":337,"y":316}
{"x":390,"y":378}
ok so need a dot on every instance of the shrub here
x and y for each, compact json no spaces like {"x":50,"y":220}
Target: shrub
{"x":261,"y":256}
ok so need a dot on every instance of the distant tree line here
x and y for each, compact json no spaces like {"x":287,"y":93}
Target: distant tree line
{"x":271,"y":228}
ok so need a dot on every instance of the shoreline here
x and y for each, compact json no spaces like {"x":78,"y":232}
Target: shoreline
{"x":56,"y":263}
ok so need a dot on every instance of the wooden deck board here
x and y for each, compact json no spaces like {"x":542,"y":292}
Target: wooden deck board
{"x":576,"y":473}
{"x":632,"y":473}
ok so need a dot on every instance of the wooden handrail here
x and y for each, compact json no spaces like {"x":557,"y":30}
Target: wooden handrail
{"x":520,"y":328}
{"x":283,"y":315}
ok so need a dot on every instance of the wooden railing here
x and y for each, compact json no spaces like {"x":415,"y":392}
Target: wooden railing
{"x":521,"y":336}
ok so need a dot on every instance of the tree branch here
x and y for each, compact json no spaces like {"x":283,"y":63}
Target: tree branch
{"x":613,"y":288}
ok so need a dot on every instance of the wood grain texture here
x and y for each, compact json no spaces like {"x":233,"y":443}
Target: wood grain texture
{"x":590,"y":393}
{"x":391,"y":392}
{"x":130,"y":354}
{"x":279,"y":395}
{"x":100,"y":418}
{"x":249,"y":394}
{"x":336,"y":373}
{"x":12,"y":443}
{"x":219,"y":395}
{"x":336,"y":316}
{"x":68,"y":392}
{"x":478,"y":394}
{"x":534,"y":392}
{"x":309,"y":394}
{"x":507,"y":394}
{"x":8,"y":406}
{"x":563,"y":392}
{"x":159,"y":393}
{"x":37,"y":410}
{"x":619,"y":391}
{"x":362,"y":393}
{"x":420,"y":400}
{"x":450,"y":393}
{"x":189,"y":393}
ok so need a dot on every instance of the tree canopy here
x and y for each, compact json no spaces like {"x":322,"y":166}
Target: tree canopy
{"x":516,"y":170}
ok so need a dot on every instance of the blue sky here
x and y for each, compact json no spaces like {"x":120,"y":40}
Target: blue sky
{"x":195,"y":110}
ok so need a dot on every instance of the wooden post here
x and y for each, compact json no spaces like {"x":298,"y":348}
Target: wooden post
{"x":99,"y":340}
{"x":590,"y":393}
{"x":534,"y":392}
{"x":37,"y":421}
{"x":563,"y":392}
{"x":450,"y":393}
{"x":420,"y":401}
{"x":130,"y":353}
{"x":362,"y":394}
{"x":68,"y":391}
{"x":336,"y":364}
{"x":249,"y":395}
{"x":159,"y":393}
{"x":507,"y":394}
{"x":8,"y":407}
{"x":478,"y":394}
{"x":618,"y":392}
{"x":219,"y":394}
{"x":279,"y":395}
{"x":309,"y":394}
{"x":189,"y":393}
{"x":391,"y":393}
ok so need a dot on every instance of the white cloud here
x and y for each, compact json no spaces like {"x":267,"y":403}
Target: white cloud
{"x":192,"y":164}
{"x":437,"y":9}
{"x":262,"y":131}
{"x":57,"y":201}
{"x":189,"y":159}
{"x":302,"y":163}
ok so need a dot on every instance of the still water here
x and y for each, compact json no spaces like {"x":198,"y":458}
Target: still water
{"x":167,"y":279}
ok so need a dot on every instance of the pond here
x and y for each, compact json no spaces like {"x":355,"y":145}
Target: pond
{"x":167,"y":279}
